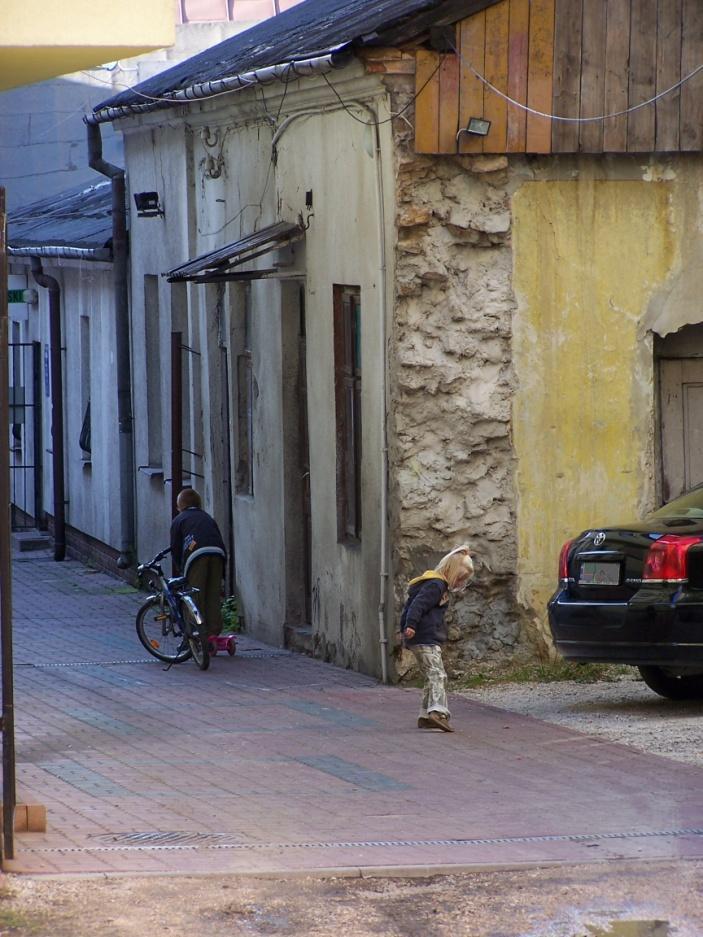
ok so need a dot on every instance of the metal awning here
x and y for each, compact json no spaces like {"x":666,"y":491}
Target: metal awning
{"x":220,"y":265}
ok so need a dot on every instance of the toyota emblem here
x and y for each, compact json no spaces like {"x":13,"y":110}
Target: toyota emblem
{"x":598,"y":538}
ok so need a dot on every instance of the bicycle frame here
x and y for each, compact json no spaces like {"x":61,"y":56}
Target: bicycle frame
{"x":172,"y":589}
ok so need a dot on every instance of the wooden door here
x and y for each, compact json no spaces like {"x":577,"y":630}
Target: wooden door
{"x":681,"y":389}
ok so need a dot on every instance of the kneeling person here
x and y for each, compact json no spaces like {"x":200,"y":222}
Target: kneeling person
{"x":198,"y":553}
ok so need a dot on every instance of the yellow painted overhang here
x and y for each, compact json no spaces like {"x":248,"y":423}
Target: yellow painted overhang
{"x":40,"y":39}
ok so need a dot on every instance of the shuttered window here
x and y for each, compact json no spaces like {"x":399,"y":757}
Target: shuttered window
{"x":347,"y":381}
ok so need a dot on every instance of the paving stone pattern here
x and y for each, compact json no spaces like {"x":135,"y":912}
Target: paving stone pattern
{"x":273,"y":762}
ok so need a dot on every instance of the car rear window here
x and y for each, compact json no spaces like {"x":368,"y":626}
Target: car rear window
{"x":688,"y":505}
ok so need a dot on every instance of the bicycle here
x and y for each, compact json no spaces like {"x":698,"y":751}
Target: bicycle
{"x":169,"y":624}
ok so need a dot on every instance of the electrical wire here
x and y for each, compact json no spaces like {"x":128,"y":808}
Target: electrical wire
{"x":151,"y":97}
{"x":575,"y":120}
{"x":378,"y":123}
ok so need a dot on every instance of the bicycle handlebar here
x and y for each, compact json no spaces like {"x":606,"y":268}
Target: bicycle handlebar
{"x":156,"y":559}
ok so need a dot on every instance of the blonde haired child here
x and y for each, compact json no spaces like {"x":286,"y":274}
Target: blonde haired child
{"x":424,"y":630}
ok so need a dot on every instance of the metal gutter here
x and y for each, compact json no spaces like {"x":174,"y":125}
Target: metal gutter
{"x":62,"y":252}
{"x":285,"y":72}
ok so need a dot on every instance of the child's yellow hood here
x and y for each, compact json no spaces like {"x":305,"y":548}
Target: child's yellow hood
{"x":428,"y":574}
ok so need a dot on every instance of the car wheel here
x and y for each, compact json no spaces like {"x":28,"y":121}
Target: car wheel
{"x":671,"y":685}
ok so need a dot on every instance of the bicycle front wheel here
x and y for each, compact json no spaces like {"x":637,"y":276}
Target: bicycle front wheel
{"x":160,"y":633}
{"x":197,"y":641}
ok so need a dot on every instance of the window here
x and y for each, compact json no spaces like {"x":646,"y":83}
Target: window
{"x":347,"y":393}
{"x":84,"y":439}
{"x":244,"y":477}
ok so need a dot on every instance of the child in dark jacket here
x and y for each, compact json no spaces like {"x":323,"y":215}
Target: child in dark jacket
{"x":198,"y":553}
{"x":424,"y":630}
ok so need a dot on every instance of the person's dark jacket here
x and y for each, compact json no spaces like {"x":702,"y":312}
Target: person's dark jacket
{"x":424,"y":613}
{"x":194,"y":533}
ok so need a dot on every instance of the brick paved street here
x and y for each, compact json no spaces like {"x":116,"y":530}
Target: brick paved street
{"x":272,"y":762}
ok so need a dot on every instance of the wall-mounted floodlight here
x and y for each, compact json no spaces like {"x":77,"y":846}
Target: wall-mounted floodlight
{"x":148,"y":204}
{"x":477,"y":127}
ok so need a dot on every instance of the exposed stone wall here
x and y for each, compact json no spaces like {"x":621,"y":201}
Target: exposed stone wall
{"x":451,"y":385}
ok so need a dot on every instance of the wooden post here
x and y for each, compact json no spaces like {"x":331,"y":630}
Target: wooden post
{"x":8,"y":707}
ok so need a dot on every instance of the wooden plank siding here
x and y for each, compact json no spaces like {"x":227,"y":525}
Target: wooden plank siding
{"x":472,"y":48}
{"x":668,"y":113}
{"x":448,"y":103}
{"x":540,"y":73}
{"x":592,"y":75}
{"x":495,"y":108}
{"x":617,"y":68}
{"x":691,"y":131}
{"x":570,"y":59}
{"x":643,"y":75}
{"x":566,"y":96}
{"x":518,"y":48}
{"x":427,"y":103}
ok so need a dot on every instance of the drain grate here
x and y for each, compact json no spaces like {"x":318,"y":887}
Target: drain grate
{"x":244,"y":653}
{"x":88,"y":663}
{"x":163,"y":839}
{"x":227,"y":841}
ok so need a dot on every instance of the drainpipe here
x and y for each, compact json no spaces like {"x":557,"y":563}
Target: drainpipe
{"x":122,"y":363}
{"x":52,"y":285}
{"x":383,"y":336}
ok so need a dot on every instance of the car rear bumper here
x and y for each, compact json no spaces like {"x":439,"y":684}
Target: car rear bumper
{"x":642,"y":631}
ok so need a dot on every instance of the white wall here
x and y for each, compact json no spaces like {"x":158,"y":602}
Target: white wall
{"x":235,"y":189}
{"x":90,"y":486}
{"x":156,"y":161}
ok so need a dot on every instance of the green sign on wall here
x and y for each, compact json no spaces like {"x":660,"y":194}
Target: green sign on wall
{"x":16,"y":296}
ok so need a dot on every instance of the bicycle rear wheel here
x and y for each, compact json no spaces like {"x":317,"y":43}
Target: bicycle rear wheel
{"x":160,"y":633}
{"x":197,"y":641}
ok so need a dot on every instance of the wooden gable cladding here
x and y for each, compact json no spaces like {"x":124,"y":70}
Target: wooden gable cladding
{"x":510,"y":44}
{"x":570,"y":58}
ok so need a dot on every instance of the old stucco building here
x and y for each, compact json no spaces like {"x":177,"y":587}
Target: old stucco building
{"x":393,"y":336}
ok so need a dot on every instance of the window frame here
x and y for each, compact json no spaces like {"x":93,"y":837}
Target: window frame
{"x":348,"y":414}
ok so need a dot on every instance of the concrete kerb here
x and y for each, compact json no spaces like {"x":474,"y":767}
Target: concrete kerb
{"x":360,"y":872}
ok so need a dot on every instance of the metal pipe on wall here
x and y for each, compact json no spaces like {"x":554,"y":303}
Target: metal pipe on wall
{"x":122,"y":353}
{"x":9,"y":795}
{"x":57,"y":447}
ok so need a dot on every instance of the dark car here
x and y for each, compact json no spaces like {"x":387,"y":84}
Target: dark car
{"x":633,"y":594}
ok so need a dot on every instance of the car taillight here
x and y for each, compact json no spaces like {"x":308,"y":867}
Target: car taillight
{"x":564,"y":561}
{"x":666,"y":560}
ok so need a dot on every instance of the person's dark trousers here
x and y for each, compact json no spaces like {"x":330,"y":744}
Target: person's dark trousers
{"x":205,"y":574}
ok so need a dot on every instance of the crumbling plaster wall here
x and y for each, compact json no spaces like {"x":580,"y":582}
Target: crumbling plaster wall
{"x":470,"y":390}
{"x":451,"y":387}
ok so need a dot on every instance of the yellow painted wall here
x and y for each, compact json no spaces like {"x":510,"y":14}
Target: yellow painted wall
{"x":43,"y":38}
{"x":588,"y":257}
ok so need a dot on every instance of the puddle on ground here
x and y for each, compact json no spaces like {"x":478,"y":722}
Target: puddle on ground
{"x":632,"y":929}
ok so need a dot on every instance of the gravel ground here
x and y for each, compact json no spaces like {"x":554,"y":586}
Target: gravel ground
{"x":622,"y":710}
{"x":646,"y":899}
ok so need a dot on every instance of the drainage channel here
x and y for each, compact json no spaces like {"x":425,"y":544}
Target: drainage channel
{"x":144,"y":660}
{"x":159,"y":841}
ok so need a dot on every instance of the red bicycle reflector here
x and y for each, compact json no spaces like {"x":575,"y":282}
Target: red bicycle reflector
{"x":666,"y":560}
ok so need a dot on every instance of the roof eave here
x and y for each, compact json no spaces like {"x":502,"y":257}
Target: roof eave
{"x":337,"y":57}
